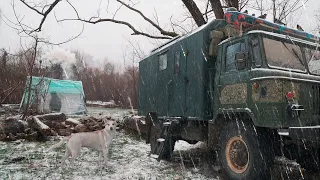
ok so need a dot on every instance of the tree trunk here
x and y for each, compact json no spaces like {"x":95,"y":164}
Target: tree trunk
{"x":217,"y":9}
{"x":233,"y":3}
{"x":194,"y":11}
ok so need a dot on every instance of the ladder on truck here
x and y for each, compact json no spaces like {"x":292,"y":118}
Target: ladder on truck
{"x":164,"y":141}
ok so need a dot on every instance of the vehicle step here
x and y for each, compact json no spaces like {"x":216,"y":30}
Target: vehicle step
{"x":166,"y":123}
{"x":283,"y":132}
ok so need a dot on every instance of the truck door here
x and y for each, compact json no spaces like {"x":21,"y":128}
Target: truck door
{"x":233,"y":81}
{"x":163,"y":79}
{"x":177,"y":85}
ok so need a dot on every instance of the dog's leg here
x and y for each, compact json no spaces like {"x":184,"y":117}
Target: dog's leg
{"x":105,"y":155}
{"x":74,"y":154}
{"x":67,"y":154}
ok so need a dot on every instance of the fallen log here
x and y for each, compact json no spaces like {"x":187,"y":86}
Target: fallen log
{"x":53,"y":116}
{"x":53,"y":120}
{"x":35,"y":123}
{"x":72,"y":122}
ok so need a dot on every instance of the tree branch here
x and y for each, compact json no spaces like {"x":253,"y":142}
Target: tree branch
{"x":32,"y":8}
{"x":99,"y":20}
{"x":44,"y":14}
{"x":163,"y":32}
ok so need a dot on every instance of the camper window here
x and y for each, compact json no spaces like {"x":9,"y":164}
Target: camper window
{"x":232,"y":50}
{"x":163,"y":62}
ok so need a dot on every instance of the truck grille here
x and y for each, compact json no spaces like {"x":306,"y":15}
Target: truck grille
{"x":315,"y":99}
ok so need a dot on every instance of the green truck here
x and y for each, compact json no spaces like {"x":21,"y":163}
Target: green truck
{"x":251,"y":95}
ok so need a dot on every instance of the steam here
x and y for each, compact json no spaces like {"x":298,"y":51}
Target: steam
{"x":63,"y":57}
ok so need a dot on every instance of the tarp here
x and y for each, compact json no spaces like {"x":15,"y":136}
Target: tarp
{"x":54,"y":95}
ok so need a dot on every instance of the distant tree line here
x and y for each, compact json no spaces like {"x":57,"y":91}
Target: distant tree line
{"x":102,"y":84}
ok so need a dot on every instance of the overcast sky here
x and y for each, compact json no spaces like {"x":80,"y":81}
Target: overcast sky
{"x":108,"y":39}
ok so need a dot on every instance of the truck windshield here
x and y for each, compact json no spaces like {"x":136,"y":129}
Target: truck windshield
{"x":313,"y":59}
{"x":283,"y":54}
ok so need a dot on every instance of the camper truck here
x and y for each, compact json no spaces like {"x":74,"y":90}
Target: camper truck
{"x":247,"y":87}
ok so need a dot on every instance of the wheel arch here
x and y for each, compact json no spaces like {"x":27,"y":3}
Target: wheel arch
{"x":223,"y":116}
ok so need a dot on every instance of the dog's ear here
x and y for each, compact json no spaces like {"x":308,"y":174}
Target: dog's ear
{"x":105,"y":121}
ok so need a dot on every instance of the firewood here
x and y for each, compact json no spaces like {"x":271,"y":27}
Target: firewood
{"x":52,"y":116}
{"x":32,"y":137}
{"x":12,"y":124}
{"x":64,"y":132}
{"x":72,"y":122}
{"x":42,"y":128}
{"x":80,"y":128}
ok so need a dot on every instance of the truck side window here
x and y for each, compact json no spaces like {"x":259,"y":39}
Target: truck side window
{"x":256,"y":52}
{"x":163,"y":61}
{"x":176,"y":63}
{"x":231,"y":53}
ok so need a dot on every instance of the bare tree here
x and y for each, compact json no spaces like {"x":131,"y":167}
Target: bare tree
{"x":30,"y":57}
{"x":281,"y":9}
{"x":47,"y":9}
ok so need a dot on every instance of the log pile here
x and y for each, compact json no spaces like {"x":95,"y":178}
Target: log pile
{"x":135,"y":123}
{"x":39,"y":127}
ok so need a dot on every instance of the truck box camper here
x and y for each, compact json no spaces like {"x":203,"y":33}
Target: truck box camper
{"x":248,"y":87}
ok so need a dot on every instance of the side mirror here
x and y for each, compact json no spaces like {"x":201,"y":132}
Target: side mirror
{"x":241,"y":60}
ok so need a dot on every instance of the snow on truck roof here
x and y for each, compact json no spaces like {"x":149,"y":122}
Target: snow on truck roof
{"x":179,"y":38}
{"x":284,"y":36}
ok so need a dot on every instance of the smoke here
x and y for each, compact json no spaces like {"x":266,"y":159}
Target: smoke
{"x":63,"y":57}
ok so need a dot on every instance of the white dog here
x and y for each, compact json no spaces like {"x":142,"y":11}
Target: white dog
{"x":98,"y":140}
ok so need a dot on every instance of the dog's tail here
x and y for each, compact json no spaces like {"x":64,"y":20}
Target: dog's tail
{"x":58,"y":144}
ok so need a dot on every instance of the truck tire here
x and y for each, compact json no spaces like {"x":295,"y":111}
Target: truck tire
{"x":155,"y":134}
{"x":244,"y":153}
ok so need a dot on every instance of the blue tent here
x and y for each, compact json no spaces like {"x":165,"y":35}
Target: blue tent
{"x":54,"y":95}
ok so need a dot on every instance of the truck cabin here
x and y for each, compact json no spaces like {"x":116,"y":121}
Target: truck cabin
{"x":271,"y":51}
{"x":275,"y":74}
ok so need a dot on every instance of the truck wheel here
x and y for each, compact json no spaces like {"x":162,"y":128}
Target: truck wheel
{"x":168,"y":146}
{"x":243,"y":153}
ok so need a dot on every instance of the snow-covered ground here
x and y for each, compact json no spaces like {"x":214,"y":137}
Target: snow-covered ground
{"x":128,"y":159}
